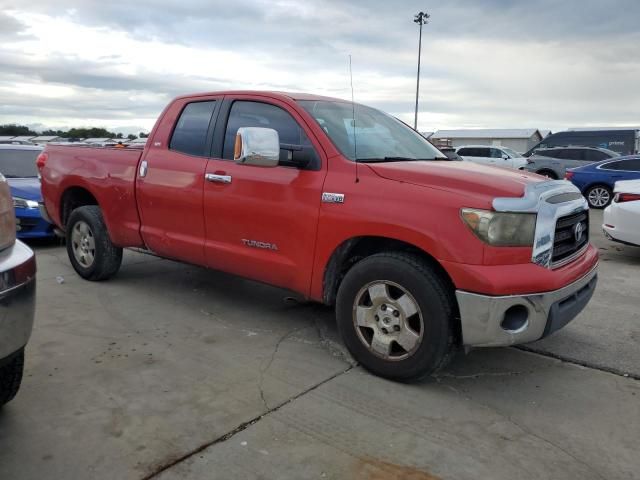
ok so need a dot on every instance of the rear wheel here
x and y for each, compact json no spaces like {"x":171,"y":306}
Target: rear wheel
{"x":11,"y":377}
{"x":396,"y":316}
{"x":90,"y":250}
{"x":599,"y":196}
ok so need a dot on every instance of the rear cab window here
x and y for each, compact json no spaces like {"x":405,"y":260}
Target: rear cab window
{"x":191,"y":132}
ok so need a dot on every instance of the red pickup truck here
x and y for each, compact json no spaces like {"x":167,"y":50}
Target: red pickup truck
{"x":344,"y":205}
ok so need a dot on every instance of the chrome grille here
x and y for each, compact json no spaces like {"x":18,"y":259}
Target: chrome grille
{"x":571,"y":236}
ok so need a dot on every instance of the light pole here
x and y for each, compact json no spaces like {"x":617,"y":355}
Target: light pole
{"x":421,"y":18}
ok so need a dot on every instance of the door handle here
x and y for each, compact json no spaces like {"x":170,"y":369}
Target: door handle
{"x":214,"y":177}
{"x":143,"y":169}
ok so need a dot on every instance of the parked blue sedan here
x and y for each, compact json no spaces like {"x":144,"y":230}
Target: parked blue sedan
{"x":596,"y":180}
{"x":18,"y":165}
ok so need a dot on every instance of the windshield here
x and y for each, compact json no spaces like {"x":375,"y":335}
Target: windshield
{"x":18,"y":163}
{"x":374,"y":136}
{"x":511,"y":153}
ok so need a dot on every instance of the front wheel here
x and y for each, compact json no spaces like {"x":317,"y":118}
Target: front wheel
{"x":599,"y":196}
{"x":91,"y":252}
{"x":396,"y":316}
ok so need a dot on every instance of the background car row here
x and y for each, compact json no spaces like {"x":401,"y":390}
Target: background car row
{"x":17,"y":164}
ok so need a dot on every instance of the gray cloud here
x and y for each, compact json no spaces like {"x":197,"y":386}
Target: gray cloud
{"x":537,"y":63}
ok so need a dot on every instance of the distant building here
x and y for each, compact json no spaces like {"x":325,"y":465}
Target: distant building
{"x":98,"y":140}
{"x":518,"y":139}
{"x":44,"y":139}
{"x":138,"y":141}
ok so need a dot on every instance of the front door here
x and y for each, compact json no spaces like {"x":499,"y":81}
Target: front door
{"x":171,"y":181}
{"x":261,"y":222}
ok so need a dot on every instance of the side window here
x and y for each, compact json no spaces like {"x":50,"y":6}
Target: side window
{"x":557,"y":153}
{"x":632,"y":165}
{"x":495,"y":153}
{"x":294,"y":143}
{"x":484,"y":152}
{"x":613,"y":166}
{"x":465,"y":152}
{"x":595,"y":156}
{"x":573,"y":154}
{"x":190,"y":134}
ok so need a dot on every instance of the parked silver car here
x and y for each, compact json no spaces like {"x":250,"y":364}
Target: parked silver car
{"x":17,"y":298}
{"x":554,"y":162}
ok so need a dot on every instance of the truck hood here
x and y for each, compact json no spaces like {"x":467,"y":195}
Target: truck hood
{"x":27,"y":188}
{"x":467,"y":178}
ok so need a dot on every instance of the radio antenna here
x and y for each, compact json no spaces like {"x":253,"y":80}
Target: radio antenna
{"x":353,"y":121}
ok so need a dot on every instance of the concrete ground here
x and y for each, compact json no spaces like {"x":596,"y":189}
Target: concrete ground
{"x":172,"y":371}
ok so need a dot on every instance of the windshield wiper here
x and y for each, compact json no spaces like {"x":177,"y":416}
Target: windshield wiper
{"x":398,"y":159}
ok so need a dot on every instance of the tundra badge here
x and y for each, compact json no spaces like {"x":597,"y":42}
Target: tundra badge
{"x":332,"y":197}
{"x":257,"y":244}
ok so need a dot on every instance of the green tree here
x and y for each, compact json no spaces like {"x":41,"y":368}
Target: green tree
{"x":131,"y":136}
{"x":15,"y":130}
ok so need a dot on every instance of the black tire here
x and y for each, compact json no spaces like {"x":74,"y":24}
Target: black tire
{"x":548,"y":173}
{"x":107,"y":258}
{"x":590,"y":195}
{"x":10,"y":377}
{"x":437,"y":307}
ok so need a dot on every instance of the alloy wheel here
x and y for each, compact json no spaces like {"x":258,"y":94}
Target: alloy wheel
{"x":388,"y":320}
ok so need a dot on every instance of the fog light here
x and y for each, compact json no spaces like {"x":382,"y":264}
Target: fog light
{"x":515,"y":319}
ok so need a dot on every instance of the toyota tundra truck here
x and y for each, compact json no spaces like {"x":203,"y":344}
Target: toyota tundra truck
{"x":344,"y":205}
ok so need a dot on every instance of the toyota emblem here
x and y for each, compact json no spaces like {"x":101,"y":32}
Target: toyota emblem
{"x":577,"y":232}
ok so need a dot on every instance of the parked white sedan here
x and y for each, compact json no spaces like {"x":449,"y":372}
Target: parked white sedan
{"x":621,"y":221}
{"x":492,"y":155}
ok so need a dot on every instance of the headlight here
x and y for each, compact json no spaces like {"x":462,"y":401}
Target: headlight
{"x":24,"y":203}
{"x":7,"y":216}
{"x":501,"y":229}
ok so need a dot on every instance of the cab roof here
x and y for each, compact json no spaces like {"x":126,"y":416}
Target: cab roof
{"x":268,"y":93}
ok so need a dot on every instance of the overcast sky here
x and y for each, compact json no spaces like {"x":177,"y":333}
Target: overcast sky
{"x":494,"y":63}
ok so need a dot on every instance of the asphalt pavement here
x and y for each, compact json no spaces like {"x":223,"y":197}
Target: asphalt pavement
{"x":172,"y":371}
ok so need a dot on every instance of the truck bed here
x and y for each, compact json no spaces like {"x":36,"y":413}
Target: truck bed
{"x":106,"y":173}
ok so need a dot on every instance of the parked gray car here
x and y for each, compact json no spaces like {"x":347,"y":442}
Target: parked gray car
{"x":17,"y":298}
{"x":554,"y":162}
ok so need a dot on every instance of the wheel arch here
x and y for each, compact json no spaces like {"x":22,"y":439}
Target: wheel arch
{"x":542,"y":171}
{"x":351,"y":251}
{"x":72,"y":198}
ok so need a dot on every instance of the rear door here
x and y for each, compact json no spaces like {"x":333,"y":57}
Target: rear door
{"x":261,"y":222}
{"x":171,"y":180}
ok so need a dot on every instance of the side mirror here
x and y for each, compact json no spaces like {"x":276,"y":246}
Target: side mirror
{"x":257,"y":146}
{"x":505,"y":156}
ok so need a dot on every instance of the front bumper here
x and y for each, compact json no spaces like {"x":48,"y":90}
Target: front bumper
{"x":494,"y":321}
{"x":17,"y":297}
